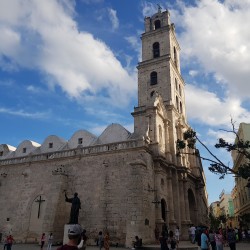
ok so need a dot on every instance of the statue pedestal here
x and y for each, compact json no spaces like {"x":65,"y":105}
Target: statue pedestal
{"x":65,"y":234}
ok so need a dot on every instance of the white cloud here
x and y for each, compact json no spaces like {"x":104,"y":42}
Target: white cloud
{"x":193,"y":73}
{"x":206,"y":107}
{"x":42,"y":35}
{"x":33,"y":89}
{"x":22,"y":113}
{"x":217,"y":34}
{"x":135,"y":43}
{"x":92,"y":1}
{"x":228,"y":135}
{"x":113,"y":18}
{"x":148,"y":8}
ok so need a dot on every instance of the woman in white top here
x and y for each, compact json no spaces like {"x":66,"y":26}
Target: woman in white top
{"x":177,"y":235}
{"x":50,"y":241}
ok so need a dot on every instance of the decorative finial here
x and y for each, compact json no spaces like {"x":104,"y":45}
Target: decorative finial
{"x":159,"y":8}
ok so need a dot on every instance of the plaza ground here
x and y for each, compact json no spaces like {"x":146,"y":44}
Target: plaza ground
{"x":183,"y":245}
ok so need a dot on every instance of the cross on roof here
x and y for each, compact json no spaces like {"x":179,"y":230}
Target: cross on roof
{"x":159,"y":7}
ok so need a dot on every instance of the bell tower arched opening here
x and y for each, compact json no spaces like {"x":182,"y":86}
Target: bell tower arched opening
{"x":157,"y":24}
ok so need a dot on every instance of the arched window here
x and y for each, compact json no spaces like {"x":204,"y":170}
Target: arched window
{"x":177,"y":103}
{"x":153,"y":78}
{"x":157,"y":24}
{"x":175,"y":57}
{"x":180,"y":89}
{"x":156,"y":50}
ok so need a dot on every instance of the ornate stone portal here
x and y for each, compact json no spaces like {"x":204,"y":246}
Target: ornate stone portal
{"x":129,"y":184}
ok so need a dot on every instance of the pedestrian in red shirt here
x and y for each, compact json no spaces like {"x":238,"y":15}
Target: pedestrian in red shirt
{"x":10,"y":241}
{"x":42,"y":240}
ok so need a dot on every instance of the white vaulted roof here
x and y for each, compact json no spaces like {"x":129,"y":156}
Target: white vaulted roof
{"x":26,"y":147}
{"x":87,"y":139}
{"x":52,"y":143}
{"x":113,"y":133}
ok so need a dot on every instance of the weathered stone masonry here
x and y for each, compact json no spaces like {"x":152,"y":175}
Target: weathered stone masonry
{"x":128,"y":184}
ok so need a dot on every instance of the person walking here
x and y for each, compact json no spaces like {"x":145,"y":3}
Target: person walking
{"x":177,"y":236}
{"x":100,"y":240}
{"x":204,"y":240}
{"x":219,"y":240}
{"x":198,"y":236}
{"x":106,"y":241}
{"x":211,"y":236}
{"x":231,"y":239}
{"x":172,"y":240}
{"x":43,"y":238}
{"x":163,"y":241}
{"x":5,"y":243}
{"x":192,"y":231}
{"x":10,"y":241}
{"x":83,"y":243}
{"x":50,"y":241}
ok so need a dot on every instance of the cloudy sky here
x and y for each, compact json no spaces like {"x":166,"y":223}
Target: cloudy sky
{"x":71,"y":64}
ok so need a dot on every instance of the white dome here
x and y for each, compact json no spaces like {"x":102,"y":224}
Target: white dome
{"x":26,"y":147}
{"x":81,"y":138}
{"x":113,"y":133}
{"x":52,"y":143}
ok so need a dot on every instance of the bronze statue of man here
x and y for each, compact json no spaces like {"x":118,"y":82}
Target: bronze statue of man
{"x":76,"y":205}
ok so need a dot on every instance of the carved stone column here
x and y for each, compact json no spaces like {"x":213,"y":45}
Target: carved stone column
{"x":167,"y":143}
{"x":185,"y":191}
{"x":170,"y":198}
{"x":176,"y":196}
{"x":158,"y":213}
{"x":182,"y":199}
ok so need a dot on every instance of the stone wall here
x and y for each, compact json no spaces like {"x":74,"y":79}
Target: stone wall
{"x":112,"y":186}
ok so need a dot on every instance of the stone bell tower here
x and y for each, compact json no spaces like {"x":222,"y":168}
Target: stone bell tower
{"x":160,"y":119}
{"x":161,"y":112}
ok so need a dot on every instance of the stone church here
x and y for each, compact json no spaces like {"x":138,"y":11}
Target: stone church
{"x":129,"y":183}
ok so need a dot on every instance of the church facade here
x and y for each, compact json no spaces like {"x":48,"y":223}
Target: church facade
{"x":129,"y":183}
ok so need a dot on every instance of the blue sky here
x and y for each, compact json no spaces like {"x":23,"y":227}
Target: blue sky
{"x":68,"y":65}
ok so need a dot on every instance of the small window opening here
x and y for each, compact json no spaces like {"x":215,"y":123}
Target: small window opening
{"x":175,"y":57}
{"x":8,"y":219}
{"x":1,"y":153}
{"x":157,"y":24}
{"x":180,"y":90}
{"x":152,"y":93}
{"x":153,"y":78}
{"x":79,"y":140}
{"x":177,"y":103}
{"x":162,"y":182}
{"x":181,"y":107}
{"x":51,"y":145}
{"x":156,"y":50}
{"x":176,"y":84}
{"x":24,"y":150}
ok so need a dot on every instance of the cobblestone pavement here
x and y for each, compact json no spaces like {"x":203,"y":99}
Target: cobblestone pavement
{"x":239,"y":246}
